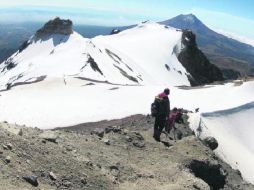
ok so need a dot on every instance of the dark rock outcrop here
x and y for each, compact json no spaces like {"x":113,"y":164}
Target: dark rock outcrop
{"x":115,"y":31}
{"x":222,"y":51}
{"x":24,"y":46}
{"x":93,"y":64}
{"x":212,"y":173}
{"x":31,"y":81}
{"x":211,"y":142}
{"x":196,"y":63}
{"x":10,"y":64}
{"x":56,"y":26}
{"x":125,"y":74}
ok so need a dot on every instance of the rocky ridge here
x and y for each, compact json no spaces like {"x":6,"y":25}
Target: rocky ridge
{"x":55,"y":26}
{"x":234,"y":58}
{"x":196,"y":63}
{"x":118,"y":154}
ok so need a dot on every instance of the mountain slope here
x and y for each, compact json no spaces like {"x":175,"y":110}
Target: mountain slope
{"x":222,"y":51}
{"x":145,"y":54}
{"x":132,"y":57}
{"x":111,"y":155}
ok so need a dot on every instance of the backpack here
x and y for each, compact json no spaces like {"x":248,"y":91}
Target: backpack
{"x":155,"y":106}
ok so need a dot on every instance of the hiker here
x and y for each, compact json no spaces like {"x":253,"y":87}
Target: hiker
{"x":171,"y":120}
{"x":160,"y":110}
{"x":175,"y":116}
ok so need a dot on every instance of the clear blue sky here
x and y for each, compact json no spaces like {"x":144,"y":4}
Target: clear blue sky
{"x":229,"y":15}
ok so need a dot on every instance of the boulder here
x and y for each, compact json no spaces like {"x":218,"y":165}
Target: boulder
{"x":50,"y":136}
{"x":8,"y":159}
{"x":108,"y":130}
{"x":139,"y":144}
{"x":211,"y":142}
{"x":32,"y":180}
{"x":9,"y":146}
{"x":98,"y":132}
{"x":114,"y":129}
{"x":106,"y":141}
{"x":52,"y":176}
{"x":137,"y":136}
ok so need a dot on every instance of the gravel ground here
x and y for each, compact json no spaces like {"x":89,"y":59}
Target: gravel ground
{"x":111,"y":155}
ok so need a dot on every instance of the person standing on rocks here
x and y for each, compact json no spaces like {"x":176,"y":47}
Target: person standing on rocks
{"x":162,"y":106}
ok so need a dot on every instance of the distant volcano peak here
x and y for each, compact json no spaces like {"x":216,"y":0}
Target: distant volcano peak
{"x":188,"y":18}
{"x":56,"y":26}
{"x":187,"y":21}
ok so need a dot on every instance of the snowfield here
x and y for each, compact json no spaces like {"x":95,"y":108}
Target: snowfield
{"x":67,"y":80}
{"x":57,"y":103}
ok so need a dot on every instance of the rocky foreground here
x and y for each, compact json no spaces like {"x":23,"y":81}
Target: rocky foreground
{"x":118,"y":154}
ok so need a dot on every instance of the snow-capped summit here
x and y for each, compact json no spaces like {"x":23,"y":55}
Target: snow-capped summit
{"x":145,"y":54}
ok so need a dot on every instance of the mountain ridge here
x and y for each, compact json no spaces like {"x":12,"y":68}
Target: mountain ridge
{"x":222,"y":51}
{"x":129,"y":57}
{"x":233,"y":63}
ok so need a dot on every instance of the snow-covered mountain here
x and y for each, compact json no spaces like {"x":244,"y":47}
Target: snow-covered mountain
{"x":60,"y":79}
{"x":146,"y":54}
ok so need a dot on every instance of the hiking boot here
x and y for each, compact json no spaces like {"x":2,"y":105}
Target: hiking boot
{"x":157,"y":139}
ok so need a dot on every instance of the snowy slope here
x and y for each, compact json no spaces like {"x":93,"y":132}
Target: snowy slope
{"x":53,"y":103}
{"x":233,"y":129}
{"x":151,"y":52}
{"x":133,"y":57}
